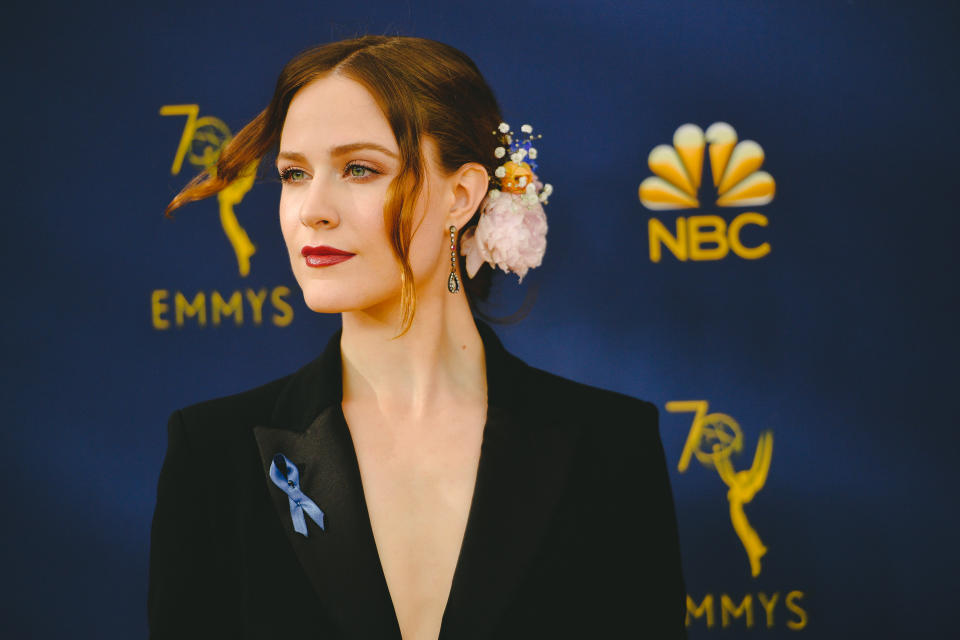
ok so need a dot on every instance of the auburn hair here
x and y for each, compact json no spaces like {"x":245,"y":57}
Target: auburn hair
{"x":424,"y":88}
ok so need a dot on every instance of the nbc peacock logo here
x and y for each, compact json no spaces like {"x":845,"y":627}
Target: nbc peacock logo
{"x":738,"y":182}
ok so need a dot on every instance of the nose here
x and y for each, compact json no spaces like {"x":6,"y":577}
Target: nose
{"x":317,"y":210}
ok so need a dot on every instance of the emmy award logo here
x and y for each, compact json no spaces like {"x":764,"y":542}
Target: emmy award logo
{"x":713,"y":439}
{"x":200,"y":144}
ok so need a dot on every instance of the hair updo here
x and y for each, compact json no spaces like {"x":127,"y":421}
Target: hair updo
{"x":423,"y":88}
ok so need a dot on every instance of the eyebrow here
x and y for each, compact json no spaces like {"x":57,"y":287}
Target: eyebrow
{"x":296,"y":156}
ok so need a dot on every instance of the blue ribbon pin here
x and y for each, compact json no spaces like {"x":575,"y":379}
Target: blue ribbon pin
{"x":287,"y":477}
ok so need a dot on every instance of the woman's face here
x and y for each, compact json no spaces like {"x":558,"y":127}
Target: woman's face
{"x":337,"y":158}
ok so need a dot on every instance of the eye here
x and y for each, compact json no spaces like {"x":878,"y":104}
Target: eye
{"x":359,"y":172}
{"x":292,"y":174}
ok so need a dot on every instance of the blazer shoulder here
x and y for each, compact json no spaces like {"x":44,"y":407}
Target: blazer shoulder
{"x":214,"y":420}
{"x":569,"y":397}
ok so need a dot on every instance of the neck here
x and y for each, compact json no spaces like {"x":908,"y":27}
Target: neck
{"x":439,"y":360}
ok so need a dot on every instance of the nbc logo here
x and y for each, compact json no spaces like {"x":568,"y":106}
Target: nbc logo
{"x":676,"y":185}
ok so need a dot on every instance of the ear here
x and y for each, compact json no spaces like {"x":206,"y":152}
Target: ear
{"x":469,"y":185}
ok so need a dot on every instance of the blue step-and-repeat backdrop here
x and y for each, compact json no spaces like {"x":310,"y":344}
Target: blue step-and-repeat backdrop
{"x":754,"y":227}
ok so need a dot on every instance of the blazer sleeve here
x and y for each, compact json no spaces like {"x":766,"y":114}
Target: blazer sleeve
{"x":657,"y":591}
{"x":672,"y":594}
{"x":185,"y":598}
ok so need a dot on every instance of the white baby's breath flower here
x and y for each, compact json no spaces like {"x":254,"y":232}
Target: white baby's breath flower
{"x":494,"y":194}
{"x":522,"y":153}
{"x":531,"y":189}
{"x":499,"y":152}
{"x":515,"y":157}
{"x":504,"y":127}
{"x":526,"y":128}
{"x":500,"y":172}
{"x":522,"y":181}
{"x":548,"y":189}
{"x":532,"y":153}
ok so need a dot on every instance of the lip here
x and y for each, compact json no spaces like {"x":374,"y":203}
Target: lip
{"x":324,"y":256}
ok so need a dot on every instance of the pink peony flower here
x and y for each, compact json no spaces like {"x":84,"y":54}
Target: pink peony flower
{"x":511,"y":234}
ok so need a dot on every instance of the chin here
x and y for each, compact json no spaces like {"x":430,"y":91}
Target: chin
{"x":340,"y":297}
{"x":325,"y":301}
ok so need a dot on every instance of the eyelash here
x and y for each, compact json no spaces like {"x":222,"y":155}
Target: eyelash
{"x":286,"y":173}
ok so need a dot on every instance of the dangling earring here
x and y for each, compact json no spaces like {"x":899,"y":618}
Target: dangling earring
{"x":453,"y":282}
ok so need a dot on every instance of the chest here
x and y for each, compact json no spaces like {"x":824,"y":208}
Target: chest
{"x":418,"y":491}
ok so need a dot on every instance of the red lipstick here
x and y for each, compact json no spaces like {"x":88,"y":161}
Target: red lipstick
{"x":324,"y":256}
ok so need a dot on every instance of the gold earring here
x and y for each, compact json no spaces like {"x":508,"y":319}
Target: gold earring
{"x":453,"y":282}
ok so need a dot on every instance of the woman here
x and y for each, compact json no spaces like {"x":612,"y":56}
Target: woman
{"x":416,"y":480}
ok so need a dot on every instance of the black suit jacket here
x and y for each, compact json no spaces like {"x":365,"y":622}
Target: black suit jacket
{"x":571,"y":531}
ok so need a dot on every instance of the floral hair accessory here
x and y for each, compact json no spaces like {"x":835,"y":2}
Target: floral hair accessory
{"x":512,"y":230}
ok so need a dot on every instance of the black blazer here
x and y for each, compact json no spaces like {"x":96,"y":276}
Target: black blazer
{"x":571,"y":531}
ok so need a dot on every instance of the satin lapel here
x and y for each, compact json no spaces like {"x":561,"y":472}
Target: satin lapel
{"x":525,"y":462}
{"x":341,"y":560}
{"x":521,"y":475}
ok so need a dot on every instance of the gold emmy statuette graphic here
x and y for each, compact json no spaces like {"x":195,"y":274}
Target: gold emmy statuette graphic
{"x":713,"y":438}
{"x":201,"y":143}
